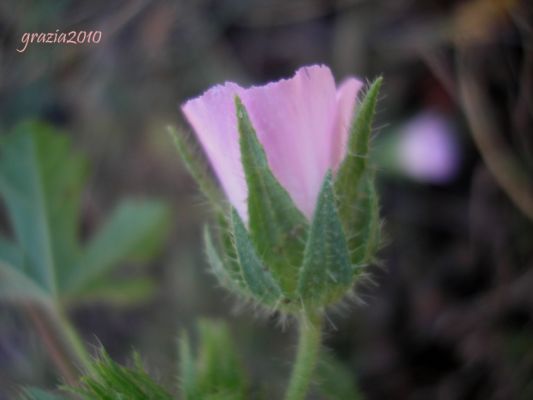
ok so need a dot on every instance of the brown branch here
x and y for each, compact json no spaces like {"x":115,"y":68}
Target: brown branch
{"x":499,"y":158}
{"x":53,"y":345}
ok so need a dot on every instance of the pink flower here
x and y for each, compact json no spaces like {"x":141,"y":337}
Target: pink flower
{"x":428,"y":150}
{"x":302,"y":123}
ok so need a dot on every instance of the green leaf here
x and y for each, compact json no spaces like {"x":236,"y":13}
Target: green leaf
{"x":257,"y":277}
{"x":335,"y":380}
{"x":278,"y":228}
{"x":15,"y":285}
{"x":41,"y":179}
{"x":40,"y":183}
{"x":134,"y":231}
{"x":354,"y":168}
{"x":111,"y":381}
{"x":38,"y":394}
{"x":116,"y":292}
{"x":188,"y":382}
{"x":198,"y":170}
{"x":216,"y":373}
{"x":11,"y":254}
{"x":326,"y":271}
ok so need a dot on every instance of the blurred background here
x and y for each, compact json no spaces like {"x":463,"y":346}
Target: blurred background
{"x":449,"y":311}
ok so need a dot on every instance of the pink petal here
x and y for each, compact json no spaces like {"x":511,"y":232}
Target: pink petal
{"x":302,"y":123}
{"x":346,"y":98}
{"x":428,"y":150}
{"x":214,"y":120}
{"x":293,"y":118}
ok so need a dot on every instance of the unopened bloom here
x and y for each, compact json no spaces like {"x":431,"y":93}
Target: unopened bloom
{"x":302,"y":123}
{"x":304,"y":219}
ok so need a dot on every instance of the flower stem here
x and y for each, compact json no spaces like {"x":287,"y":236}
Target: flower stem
{"x":306,"y":357}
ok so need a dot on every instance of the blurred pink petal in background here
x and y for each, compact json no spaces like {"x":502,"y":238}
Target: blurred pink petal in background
{"x":302,"y":123}
{"x":428,"y":150}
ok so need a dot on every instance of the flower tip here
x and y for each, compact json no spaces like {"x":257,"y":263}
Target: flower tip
{"x":238,"y":101}
{"x":376,"y":84}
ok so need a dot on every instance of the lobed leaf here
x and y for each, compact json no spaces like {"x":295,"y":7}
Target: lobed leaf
{"x":40,"y":183}
{"x":41,"y":179}
{"x":14,"y":283}
{"x":278,"y":228}
{"x":134,"y":231}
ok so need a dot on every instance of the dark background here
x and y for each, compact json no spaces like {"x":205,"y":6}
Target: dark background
{"x":449,"y":311}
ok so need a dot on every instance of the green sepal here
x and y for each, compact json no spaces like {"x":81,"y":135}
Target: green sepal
{"x":258,"y":278}
{"x":198,"y":169}
{"x":229,"y":254}
{"x":278,"y":228}
{"x":353,"y":170}
{"x":326,"y":272}
{"x":365,"y":239}
{"x":223,"y":269}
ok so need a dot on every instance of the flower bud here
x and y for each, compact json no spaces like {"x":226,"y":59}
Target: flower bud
{"x":304,"y":217}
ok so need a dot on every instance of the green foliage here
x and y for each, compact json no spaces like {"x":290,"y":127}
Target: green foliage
{"x":357,"y":200}
{"x":111,"y":381}
{"x":38,"y":394}
{"x":277,"y":227}
{"x":335,"y":380}
{"x":215,"y":373}
{"x":326,"y":271}
{"x":41,"y":181}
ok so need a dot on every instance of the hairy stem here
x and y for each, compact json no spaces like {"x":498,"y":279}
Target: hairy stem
{"x":306,"y":357}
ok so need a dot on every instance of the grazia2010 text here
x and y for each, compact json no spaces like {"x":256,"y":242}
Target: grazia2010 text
{"x":57,"y":37}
